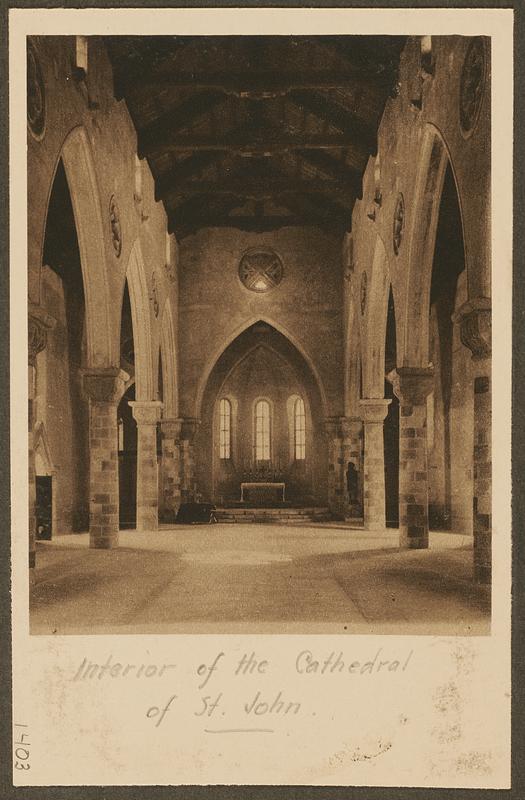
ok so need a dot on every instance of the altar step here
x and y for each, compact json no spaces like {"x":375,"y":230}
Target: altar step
{"x":278,"y":516}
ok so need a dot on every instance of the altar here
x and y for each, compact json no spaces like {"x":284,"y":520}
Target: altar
{"x":255,"y":492}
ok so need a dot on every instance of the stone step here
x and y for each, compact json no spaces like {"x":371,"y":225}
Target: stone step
{"x":280,"y":516}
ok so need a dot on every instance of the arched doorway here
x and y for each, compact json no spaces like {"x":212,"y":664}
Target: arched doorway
{"x":61,"y":408}
{"x":261,"y":371}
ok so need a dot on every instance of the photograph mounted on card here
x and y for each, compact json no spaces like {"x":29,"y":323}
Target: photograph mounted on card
{"x":254,"y":513}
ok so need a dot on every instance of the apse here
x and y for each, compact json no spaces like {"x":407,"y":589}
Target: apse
{"x":261,"y":419}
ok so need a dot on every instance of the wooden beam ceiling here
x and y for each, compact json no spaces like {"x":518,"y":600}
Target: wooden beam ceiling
{"x":237,"y":128}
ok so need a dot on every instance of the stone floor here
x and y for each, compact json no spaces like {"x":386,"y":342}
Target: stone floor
{"x":322,"y":578}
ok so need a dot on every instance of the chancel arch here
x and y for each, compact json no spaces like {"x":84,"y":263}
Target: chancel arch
{"x":247,"y":326}
{"x":258,"y":374}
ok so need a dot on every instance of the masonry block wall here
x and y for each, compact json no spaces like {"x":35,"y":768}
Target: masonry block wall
{"x":215,"y":307}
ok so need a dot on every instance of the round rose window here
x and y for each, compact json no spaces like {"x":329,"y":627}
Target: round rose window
{"x":260,"y":270}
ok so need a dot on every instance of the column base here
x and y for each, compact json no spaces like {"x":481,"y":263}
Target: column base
{"x":147,"y":521}
{"x":99,"y":541}
{"x":407,"y":542}
{"x":372,"y":525}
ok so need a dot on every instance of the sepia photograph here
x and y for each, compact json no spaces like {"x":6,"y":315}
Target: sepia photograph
{"x":259,"y":333}
{"x":260,"y":380}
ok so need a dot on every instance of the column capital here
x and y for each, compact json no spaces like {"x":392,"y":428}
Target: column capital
{"x":332,"y":426}
{"x":351,"y":426}
{"x":374,"y":409}
{"x":475,"y":320}
{"x":39,"y":324}
{"x":189,"y":426}
{"x":146,"y":412}
{"x":171,"y":427}
{"x":412,"y":385}
{"x":104,"y":384}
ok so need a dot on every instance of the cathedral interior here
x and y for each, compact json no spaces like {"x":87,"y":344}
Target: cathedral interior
{"x":259,"y":284}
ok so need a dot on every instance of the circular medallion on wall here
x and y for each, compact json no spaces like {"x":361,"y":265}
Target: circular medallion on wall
{"x":114,"y":221}
{"x":36,"y":97}
{"x":398,"y":224}
{"x":260,"y":269}
{"x":472,"y":85}
{"x":364,"y":283}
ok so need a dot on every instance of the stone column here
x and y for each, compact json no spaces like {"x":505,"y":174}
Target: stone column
{"x":412,"y":385}
{"x":104,"y":387}
{"x":474,"y":318}
{"x":189,"y":426}
{"x":373,"y":413}
{"x":170,"y":467}
{"x":336,"y":494}
{"x":147,"y":415}
{"x":39,"y":323}
{"x":352,"y":432}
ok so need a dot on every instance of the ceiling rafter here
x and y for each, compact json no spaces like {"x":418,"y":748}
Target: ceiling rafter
{"x":260,"y":187}
{"x":256,"y":140}
{"x":334,"y":168}
{"x":193,"y":165}
{"x":361,"y":133}
{"x":159,"y":134}
{"x":240,"y":130}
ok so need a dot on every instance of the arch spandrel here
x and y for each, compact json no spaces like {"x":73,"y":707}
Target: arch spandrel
{"x":141,"y":321}
{"x":102,"y":343}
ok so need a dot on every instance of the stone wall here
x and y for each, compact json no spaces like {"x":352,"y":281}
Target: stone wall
{"x":116,"y":214}
{"x":215,"y":307}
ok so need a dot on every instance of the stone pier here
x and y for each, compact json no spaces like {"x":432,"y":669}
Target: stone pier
{"x":104,"y":387}
{"x":189,"y":426}
{"x":412,"y":385}
{"x":170,"y":468}
{"x":373,"y":412}
{"x":474,"y":318}
{"x":147,"y":415}
{"x":335,"y":485}
{"x":352,"y":439}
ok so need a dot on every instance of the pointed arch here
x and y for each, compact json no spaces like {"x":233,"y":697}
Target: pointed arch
{"x":168,"y":354}
{"x":433,"y":160}
{"x":352,"y":377}
{"x":212,"y":361}
{"x":102,"y":344}
{"x":141,"y":322}
{"x":374,"y":333}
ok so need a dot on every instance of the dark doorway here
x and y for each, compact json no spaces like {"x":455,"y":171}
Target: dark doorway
{"x":391,"y":425}
{"x":127,"y":461}
{"x":391,"y":440}
{"x":44,"y":507}
{"x":67,"y":409}
{"x":448,"y":264}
